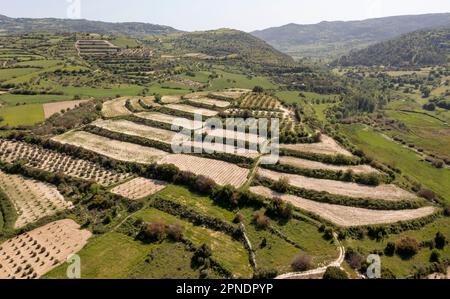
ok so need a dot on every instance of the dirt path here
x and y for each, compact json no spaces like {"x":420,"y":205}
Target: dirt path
{"x":318,"y":271}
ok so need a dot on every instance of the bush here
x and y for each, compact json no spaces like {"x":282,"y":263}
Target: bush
{"x":440,"y":240}
{"x":153,"y":232}
{"x":427,"y":194}
{"x":435,"y":256}
{"x":447,"y":211}
{"x":390,"y":249}
{"x":302,"y":262}
{"x":354,"y":259}
{"x":265,"y":274}
{"x":175,"y":232}
{"x":407,"y":247}
{"x":387,"y":274}
{"x":204,"y":185}
{"x":238,"y":218}
{"x":260,"y":220}
{"x":258,"y":89}
{"x":282,"y":185}
{"x":335,"y":273}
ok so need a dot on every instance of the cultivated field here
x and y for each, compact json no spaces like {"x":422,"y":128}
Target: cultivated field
{"x":229,"y":94}
{"x":193,"y":110}
{"x":347,"y":216}
{"x":386,"y":192}
{"x":115,"y":108}
{"x":327,"y":146}
{"x":53,"y":108}
{"x":223,"y":173}
{"x":308,"y":164}
{"x":139,"y":188}
{"x":134,"y":129}
{"x":169,"y":119}
{"x":32,"y":199}
{"x":210,"y":102}
{"x":212,"y":148}
{"x":260,"y":101}
{"x":54,"y":162}
{"x":114,"y":149}
{"x":170,"y":99}
{"x":33,"y":254}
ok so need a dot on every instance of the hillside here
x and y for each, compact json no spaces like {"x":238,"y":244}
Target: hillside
{"x":225,"y":43}
{"x":421,"y":48}
{"x":26,"y":25}
{"x":333,"y":39}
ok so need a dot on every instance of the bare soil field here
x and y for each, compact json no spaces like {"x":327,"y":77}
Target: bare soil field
{"x":230,"y":94}
{"x":193,"y":110}
{"x":35,"y":253}
{"x":51,"y":161}
{"x":170,"y":99}
{"x":53,"y":108}
{"x":115,"y":108}
{"x":223,"y":173}
{"x":118,"y":150}
{"x":211,"y":148}
{"x":134,"y":129}
{"x":385,"y":192}
{"x":139,"y":188}
{"x":327,"y":146}
{"x":347,"y":216}
{"x":308,"y":164}
{"x":234,"y":135}
{"x":32,"y":199}
{"x":211,"y":102}
{"x":169,"y":119}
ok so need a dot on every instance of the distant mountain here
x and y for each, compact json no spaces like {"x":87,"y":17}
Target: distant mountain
{"x":420,"y":48}
{"x":136,"y":30}
{"x":226,"y":43}
{"x":333,"y":39}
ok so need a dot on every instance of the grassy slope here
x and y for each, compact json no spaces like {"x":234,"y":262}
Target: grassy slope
{"x":22,"y":115}
{"x":391,"y":153}
{"x":229,"y":80}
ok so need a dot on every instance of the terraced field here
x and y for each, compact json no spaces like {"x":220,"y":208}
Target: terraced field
{"x":139,"y":188}
{"x":115,"y":108}
{"x":211,"y":102}
{"x":192,"y":110}
{"x":34,"y":253}
{"x":347,"y":216}
{"x":327,"y":146}
{"x":223,"y":173}
{"x":32,"y":199}
{"x":51,"y":161}
{"x":308,"y":164}
{"x":170,"y":120}
{"x":386,"y":192}
{"x":114,"y":149}
{"x":53,"y":108}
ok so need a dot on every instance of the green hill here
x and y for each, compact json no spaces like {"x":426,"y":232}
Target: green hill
{"x":421,"y":48}
{"x":26,"y":25}
{"x":333,"y":39}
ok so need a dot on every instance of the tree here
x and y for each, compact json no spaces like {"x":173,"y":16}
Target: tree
{"x":440,"y":240}
{"x":175,"y":232}
{"x":390,"y":249}
{"x":260,"y":220}
{"x":282,"y":185}
{"x":258,"y":89}
{"x":335,"y":273}
{"x":302,"y":262}
{"x":435,"y":256}
{"x":407,"y":247}
{"x":429,"y":107}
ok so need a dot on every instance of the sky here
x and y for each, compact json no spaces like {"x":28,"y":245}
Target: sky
{"x":246,"y":15}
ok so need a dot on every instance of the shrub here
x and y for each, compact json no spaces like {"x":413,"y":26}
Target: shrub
{"x":427,"y":194}
{"x":153,"y":232}
{"x":355,"y":260}
{"x":238,"y":218}
{"x":201,"y":256}
{"x":265,"y":274}
{"x":302,"y":262}
{"x":175,"y":232}
{"x":407,"y":247}
{"x":204,"y":185}
{"x":447,"y":211}
{"x":435,"y":256}
{"x":335,"y":273}
{"x":440,"y":240}
{"x":390,"y":249}
{"x":282,"y":185}
{"x":328,"y":233}
{"x":258,"y":89}
{"x":260,"y":220}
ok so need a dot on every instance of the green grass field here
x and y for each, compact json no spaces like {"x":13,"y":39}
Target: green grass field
{"x":392,"y":153}
{"x":7,"y":74}
{"x":400,"y":267}
{"x":202,"y":76}
{"x":14,"y":99}
{"x":22,"y":115}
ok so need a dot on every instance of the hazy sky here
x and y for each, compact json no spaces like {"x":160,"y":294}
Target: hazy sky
{"x":246,"y":15}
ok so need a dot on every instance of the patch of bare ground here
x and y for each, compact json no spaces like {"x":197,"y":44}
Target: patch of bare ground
{"x":170,"y":99}
{"x":35,"y":253}
{"x":234,"y":135}
{"x":55,"y":162}
{"x":53,"y":108}
{"x":171,"y":120}
{"x":134,"y":129}
{"x":308,"y":164}
{"x":139,"y":188}
{"x":211,"y":102}
{"x":230,"y":94}
{"x":385,"y":192}
{"x":115,"y":108}
{"x":32,"y":199}
{"x":223,"y":173}
{"x":327,"y":146}
{"x":346,"y":216}
{"x":192,"y":109}
{"x":211,"y":148}
{"x":122,"y":151}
